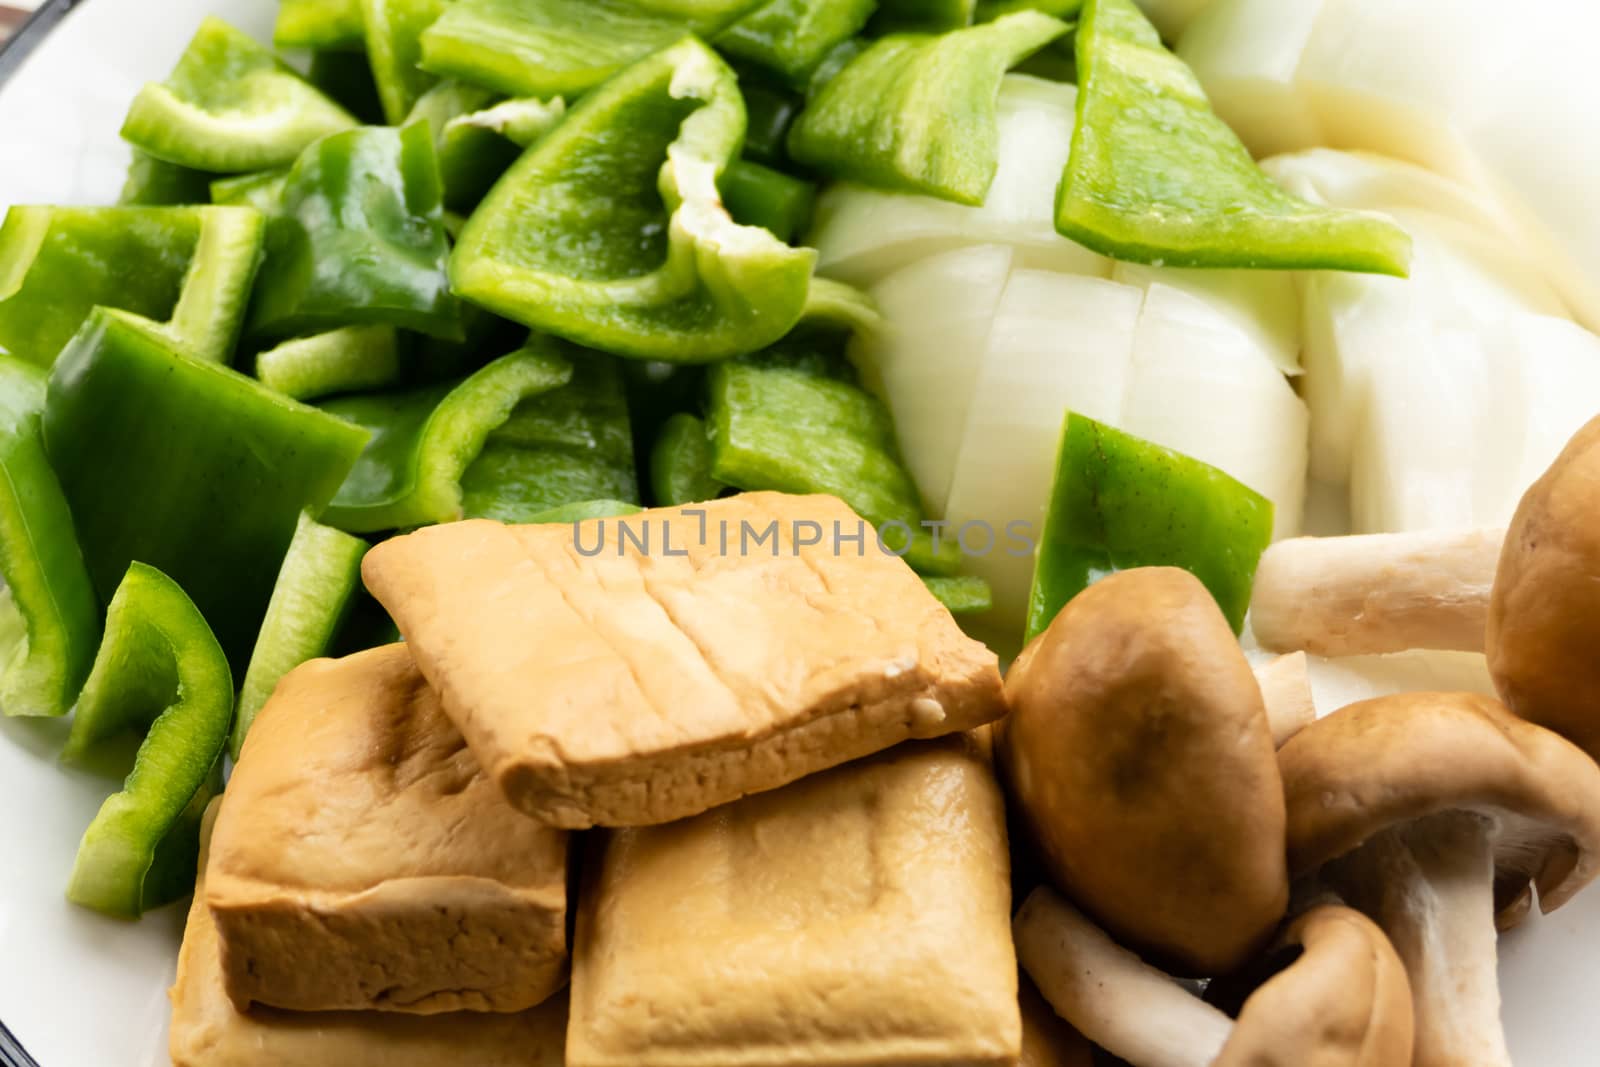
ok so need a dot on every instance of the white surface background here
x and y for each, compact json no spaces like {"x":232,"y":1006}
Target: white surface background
{"x":82,"y":991}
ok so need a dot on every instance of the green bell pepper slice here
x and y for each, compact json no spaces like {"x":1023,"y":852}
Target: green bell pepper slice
{"x":347,"y":360}
{"x":49,"y":617}
{"x":230,"y":106}
{"x":159,"y":668}
{"x":188,"y":466}
{"x":989,"y":10}
{"x":791,"y":37}
{"x":358,"y":238}
{"x":584,"y":510}
{"x":477,"y":137}
{"x":315,"y":590}
{"x":760,"y":196}
{"x":153,"y":182}
{"x":262,"y":190}
{"x":546,"y":48}
{"x":590,"y":237}
{"x":1156,"y":177}
{"x":680,"y":463}
{"x":186,"y":272}
{"x":963,"y":594}
{"x":1119,"y":502}
{"x":770,"y":112}
{"x":917,"y":112}
{"x":394,"y":48}
{"x":346,"y":79}
{"x":923,"y":16}
{"x":423,"y":441}
{"x":571,"y":444}
{"x":332,"y":24}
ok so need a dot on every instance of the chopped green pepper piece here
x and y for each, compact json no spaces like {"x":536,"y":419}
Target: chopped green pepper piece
{"x":838,"y":306}
{"x":394,"y":48}
{"x":346,"y":79}
{"x":521,"y":120}
{"x":154,"y":182}
{"x":1120,"y":502}
{"x":319,"y":24}
{"x":1156,"y":177}
{"x":160,"y":668}
{"x":589,"y":236}
{"x":186,"y":272}
{"x":230,"y":106}
{"x":550,"y":48}
{"x":584,"y":510}
{"x":423,"y":440}
{"x":770,"y":112}
{"x":472,"y":155}
{"x":964,"y":594}
{"x":359,"y":238}
{"x":760,"y":196}
{"x":680,"y":464}
{"x":262,"y":190}
{"x":989,"y":10}
{"x":49,"y":618}
{"x":346,"y":360}
{"x":923,"y":16}
{"x":571,"y":444}
{"x":791,"y":37}
{"x":320,"y":576}
{"x":917,"y":113}
{"x":188,"y":466}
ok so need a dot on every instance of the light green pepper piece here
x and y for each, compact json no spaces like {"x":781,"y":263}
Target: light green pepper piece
{"x":1156,"y":177}
{"x":1119,"y":502}
{"x":423,"y":440}
{"x":477,"y":140}
{"x":791,"y":37}
{"x":585,"y":510}
{"x":347,"y":360}
{"x":153,"y":182}
{"x":963,"y":594}
{"x":230,"y":106}
{"x":262,"y":190}
{"x":160,"y":668}
{"x":590,"y":237}
{"x":334,"y":24}
{"x":49,"y":617}
{"x":546,"y":48}
{"x":394,"y":48}
{"x":917,"y":113}
{"x":320,"y":577}
{"x":680,"y":463}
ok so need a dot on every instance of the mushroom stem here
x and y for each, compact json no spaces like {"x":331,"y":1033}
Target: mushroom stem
{"x":1112,"y":997}
{"x":1430,"y":886}
{"x":1372,"y":593}
{"x":1286,"y":691}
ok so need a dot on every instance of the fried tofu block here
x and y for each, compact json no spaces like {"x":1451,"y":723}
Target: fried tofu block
{"x":363,"y":861}
{"x":856,"y":917}
{"x":208,"y":1031}
{"x":627,"y":672}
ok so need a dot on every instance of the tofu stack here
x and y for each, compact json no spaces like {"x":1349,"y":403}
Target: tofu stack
{"x":802,"y":854}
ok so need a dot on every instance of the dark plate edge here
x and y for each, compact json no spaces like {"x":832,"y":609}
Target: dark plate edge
{"x":12,"y":53}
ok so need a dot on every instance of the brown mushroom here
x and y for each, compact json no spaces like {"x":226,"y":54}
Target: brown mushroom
{"x":1141,"y":756}
{"x":1344,"y":1003}
{"x":1412,"y":807}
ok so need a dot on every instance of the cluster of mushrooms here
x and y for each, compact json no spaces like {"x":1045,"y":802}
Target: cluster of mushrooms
{"x":1191,"y":820}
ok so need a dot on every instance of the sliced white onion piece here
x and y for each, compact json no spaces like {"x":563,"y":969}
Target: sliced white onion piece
{"x":1262,"y":305}
{"x":1246,"y":53}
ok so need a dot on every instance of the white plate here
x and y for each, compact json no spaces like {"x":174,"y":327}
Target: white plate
{"x":82,"y":991}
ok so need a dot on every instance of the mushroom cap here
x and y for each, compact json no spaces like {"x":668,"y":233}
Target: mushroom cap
{"x":1386,"y":762}
{"x":1346,"y":1002}
{"x":1048,"y":1040}
{"x":1139,"y":751}
{"x":1544,"y":612}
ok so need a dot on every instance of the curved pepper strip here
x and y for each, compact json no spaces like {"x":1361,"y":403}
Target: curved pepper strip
{"x":186,"y":273}
{"x":591,"y":238}
{"x":188,"y":466}
{"x":791,"y":37}
{"x":917,"y":112}
{"x":316,"y":587}
{"x":680,"y":463}
{"x":358,"y":237}
{"x":230,"y":106}
{"x":347,"y":360}
{"x":394,"y":48}
{"x":153,"y":182}
{"x":160,"y":668}
{"x":1156,"y":177}
{"x":546,"y":48}
{"x":332,"y":24}
{"x":571,"y":444}
{"x":423,"y":440}
{"x":1120,"y":502}
{"x":49,"y":617}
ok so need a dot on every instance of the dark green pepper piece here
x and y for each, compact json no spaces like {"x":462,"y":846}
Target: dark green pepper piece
{"x":791,"y":37}
{"x":584,"y":510}
{"x":160,"y":668}
{"x":760,"y":196}
{"x":1120,"y":502}
{"x":346,"y":78}
{"x":49,"y":617}
{"x":347,"y":360}
{"x":359,"y":238}
{"x":472,"y":154}
{"x":230,"y":106}
{"x":188,"y":466}
{"x":335,"y":24}
{"x":680,"y":464}
{"x":923,"y":16}
{"x":1156,"y":177}
{"x":989,"y":10}
{"x":770,"y":112}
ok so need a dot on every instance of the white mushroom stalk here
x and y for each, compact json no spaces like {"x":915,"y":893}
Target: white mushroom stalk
{"x":1286,"y":691}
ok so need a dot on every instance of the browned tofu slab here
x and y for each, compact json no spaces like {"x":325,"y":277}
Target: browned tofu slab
{"x":363,"y":861}
{"x":631,"y":672}
{"x":859,"y":916}
{"x":208,"y":1031}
